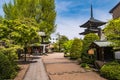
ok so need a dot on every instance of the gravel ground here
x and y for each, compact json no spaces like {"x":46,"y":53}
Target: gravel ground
{"x":60,"y":68}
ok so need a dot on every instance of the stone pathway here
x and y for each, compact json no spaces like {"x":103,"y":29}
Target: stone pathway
{"x":60,"y":68}
{"x":36,"y":70}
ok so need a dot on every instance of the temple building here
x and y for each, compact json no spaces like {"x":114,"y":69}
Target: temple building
{"x":115,"y":11}
{"x":102,"y":48}
{"x":92,"y":25}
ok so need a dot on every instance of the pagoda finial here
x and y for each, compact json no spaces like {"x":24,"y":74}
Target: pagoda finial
{"x":91,"y":12}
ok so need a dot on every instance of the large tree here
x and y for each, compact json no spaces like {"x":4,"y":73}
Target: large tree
{"x":112,"y":31}
{"x":19,"y":31}
{"x":43,"y":11}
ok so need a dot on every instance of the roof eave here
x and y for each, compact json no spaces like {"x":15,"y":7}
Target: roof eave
{"x":111,"y":11}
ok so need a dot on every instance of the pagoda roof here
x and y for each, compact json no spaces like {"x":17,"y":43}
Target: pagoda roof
{"x":92,"y":22}
{"x":87,"y":31}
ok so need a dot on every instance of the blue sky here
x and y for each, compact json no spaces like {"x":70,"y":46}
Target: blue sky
{"x":73,"y":13}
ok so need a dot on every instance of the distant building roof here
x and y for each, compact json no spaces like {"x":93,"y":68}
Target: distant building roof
{"x":111,"y":11}
{"x":102,"y":43}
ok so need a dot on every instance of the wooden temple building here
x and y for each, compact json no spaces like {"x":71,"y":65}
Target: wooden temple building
{"x":103,"y":50}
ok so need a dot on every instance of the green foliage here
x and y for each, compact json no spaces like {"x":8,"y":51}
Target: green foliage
{"x":20,"y":31}
{"x":84,"y":65}
{"x":43,"y":11}
{"x":11,"y":55}
{"x":10,"y":52}
{"x":63,"y":39}
{"x":7,"y":70}
{"x":56,"y":47}
{"x":67,"y":46}
{"x":76,"y":48}
{"x":88,"y":39}
{"x":67,"y":55}
{"x":112,"y":31}
{"x":60,"y":43}
{"x":1,"y":18}
{"x":111,"y":71}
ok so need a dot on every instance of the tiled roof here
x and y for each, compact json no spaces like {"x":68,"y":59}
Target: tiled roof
{"x":102,"y":43}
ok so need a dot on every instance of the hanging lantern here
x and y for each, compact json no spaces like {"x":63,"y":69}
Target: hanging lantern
{"x":91,"y":51}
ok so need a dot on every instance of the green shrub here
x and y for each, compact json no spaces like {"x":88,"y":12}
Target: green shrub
{"x":67,"y":46}
{"x":67,"y":55}
{"x":87,"y":59}
{"x":11,"y":54}
{"x":111,"y":71}
{"x":85,"y":65}
{"x":76,"y":48}
{"x":7,"y":71}
{"x":88,"y":39}
{"x":8,"y":65}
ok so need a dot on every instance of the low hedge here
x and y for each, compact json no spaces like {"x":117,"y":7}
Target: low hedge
{"x":111,"y":71}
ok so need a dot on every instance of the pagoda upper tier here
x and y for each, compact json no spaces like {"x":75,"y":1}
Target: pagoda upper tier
{"x":92,"y":25}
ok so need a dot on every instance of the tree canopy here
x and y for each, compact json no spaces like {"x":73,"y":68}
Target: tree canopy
{"x":112,"y":31}
{"x":43,"y":11}
{"x":20,"y":31}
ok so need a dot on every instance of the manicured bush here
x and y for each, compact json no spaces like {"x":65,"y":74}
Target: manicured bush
{"x":76,"y":48}
{"x":111,"y":71}
{"x":8,"y":65}
{"x":85,"y":65}
{"x":7,"y":71}
{"x":11,"y":54}
{"x":88,"y":39}
{"x":67,"y":46}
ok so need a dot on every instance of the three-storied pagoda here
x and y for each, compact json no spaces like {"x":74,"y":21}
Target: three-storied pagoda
{"x":92,"y":25}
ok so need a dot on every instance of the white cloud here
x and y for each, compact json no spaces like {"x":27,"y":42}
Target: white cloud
{"x":63,"y":6}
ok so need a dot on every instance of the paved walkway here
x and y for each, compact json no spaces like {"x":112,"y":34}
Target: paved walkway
{"x":36,"y":70}
{"x":60,"y":68}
